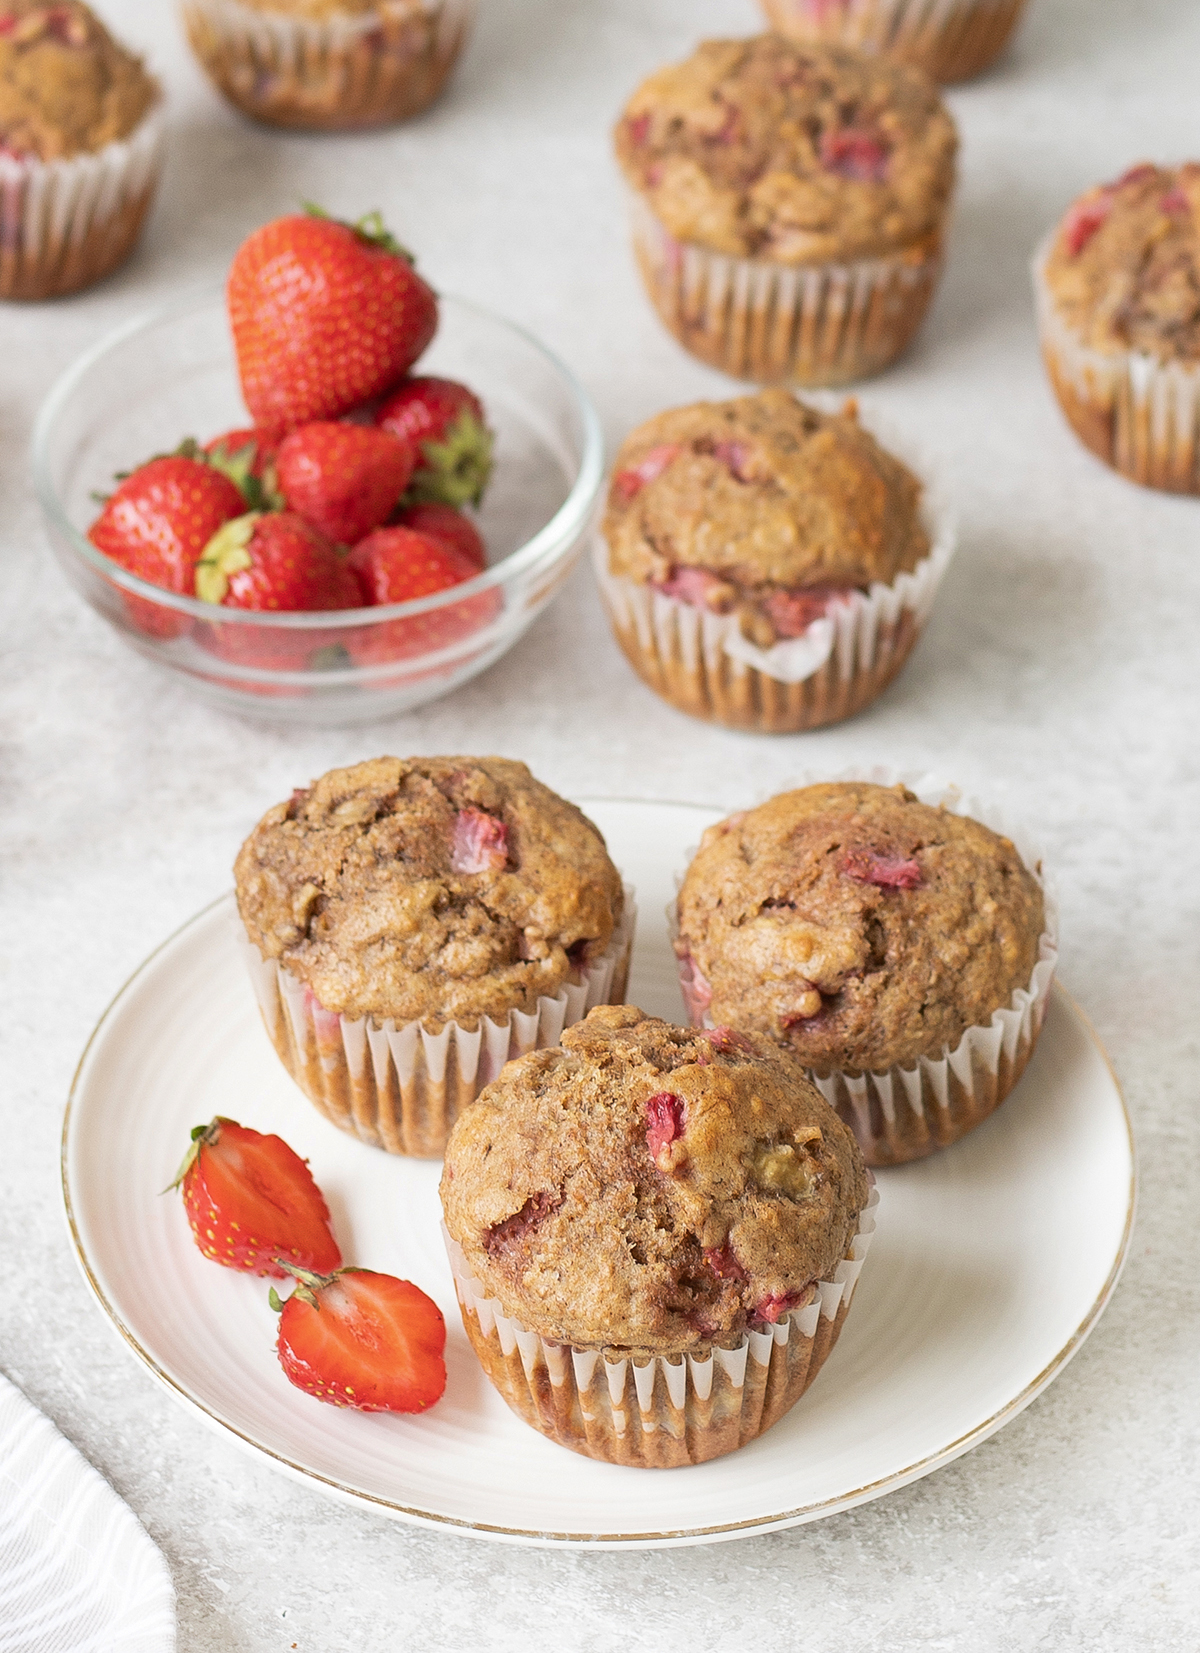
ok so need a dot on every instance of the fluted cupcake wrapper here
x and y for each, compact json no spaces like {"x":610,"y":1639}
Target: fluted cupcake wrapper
{"x":401,"y":1088}
{"x":702,"y":663}
{"x":66,"y":224}
{"x":1139,"y":415}
{"x":809,"y":324}
{"x":949,"y":39}
{"x":330,"y":74}
{"x":666,"y":1411}
{"x":905,"y":1113}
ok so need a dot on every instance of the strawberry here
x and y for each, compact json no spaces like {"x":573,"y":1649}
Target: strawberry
{"x":324,"y":316}
{"x":443,"y":522}
{"x":398,"y":565}
{"x":250,"y":1201}
{"x":444,"y":421}
{"x":157,"y":524}
{"x":344,"y":479}
{"x":247,"y":458}
{"x":364,"y":1340}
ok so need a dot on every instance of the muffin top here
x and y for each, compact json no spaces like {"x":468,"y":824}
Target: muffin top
{"x":66,"y":86}
{"x":799,"y":153}
{"x":649,"y":1188}
{"x":431,"y":889}
{"x":762,"y":506}
{"x":857,"y":925}
{"x":1124,"y":265}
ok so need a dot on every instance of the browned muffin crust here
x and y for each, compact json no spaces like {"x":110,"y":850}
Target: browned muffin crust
{"x":651,"y":1189}
{"x":66,"y":86}
{"x":766,"y":148}
{"x":858,"y":926}
{"x":429,"y":889}
{"x":1124,"y":266}
{"x":762,"y":506}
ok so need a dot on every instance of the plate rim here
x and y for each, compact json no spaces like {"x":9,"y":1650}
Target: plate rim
{"x":721,"y":1532}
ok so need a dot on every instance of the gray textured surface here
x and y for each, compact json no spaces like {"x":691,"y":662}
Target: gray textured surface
{"x":1058,"y":675}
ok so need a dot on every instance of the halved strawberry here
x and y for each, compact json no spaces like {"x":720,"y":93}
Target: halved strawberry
{"x":363,"y":1340}
{"x":252,"y":1202}
{"x":344,"y":479}
{"x":444,"y":422}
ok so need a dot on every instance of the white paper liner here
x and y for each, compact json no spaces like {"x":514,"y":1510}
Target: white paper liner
{"x":65,"y":224}
{"x":812,"y":324}
{"x":950,"y":39}
{"x":666,"y":1411}
{"x":342,"y":71}
{"x":704,"y":664}
{"x":401,"y":1088}
{"x":1139,"y":415}
{"x":903,"y":1114}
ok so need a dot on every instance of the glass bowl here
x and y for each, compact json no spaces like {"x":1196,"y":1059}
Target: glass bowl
{"x":171,"y":374}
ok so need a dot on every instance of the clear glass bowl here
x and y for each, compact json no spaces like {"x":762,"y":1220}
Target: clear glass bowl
{"x":171,"y":374}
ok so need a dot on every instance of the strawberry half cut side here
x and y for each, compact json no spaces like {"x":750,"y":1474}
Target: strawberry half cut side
{"x":252,"y":1203}
{"x":363,"y":1340}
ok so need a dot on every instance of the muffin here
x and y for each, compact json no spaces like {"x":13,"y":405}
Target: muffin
{"x":655,"y":1235}
{"x":789,"y":204}
{"x":81,"y":137}
{"x":413,"y":923}
{"x":899,"y":949}
{"x":1118,"y":293}
{"x":949,"y":39}
{"x":328,"y":65}
{"x":767,"y":565}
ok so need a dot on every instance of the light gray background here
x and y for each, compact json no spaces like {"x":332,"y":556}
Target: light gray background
{"x":1058,"y":675}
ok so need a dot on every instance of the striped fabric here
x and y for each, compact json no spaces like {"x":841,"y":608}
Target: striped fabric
{"x":78,"y":1573}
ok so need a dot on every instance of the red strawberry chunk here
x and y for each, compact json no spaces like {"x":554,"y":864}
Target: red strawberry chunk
{"x":723,"y":1263}
{"x":735,"y":456}
{"x":513,"y":1230}
{"x":364,"y":1340}
{"x":638,"y":128}
{"x":1083,"y":220}
{"x":792,"y":612}
{"x":855,"y":152}
{"x":1175,"y":203}
{"x":892,"y":872}
{"x":775,"y":1306}
{"x":695,"y":586}
{"x":629,"y":483}
{"x":729,"y":1043}
{"x":480,"y":843}
{"x":664,"y":1122}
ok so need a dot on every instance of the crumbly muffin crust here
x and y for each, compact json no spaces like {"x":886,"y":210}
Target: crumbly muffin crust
{"x":66,"y":86}
{"x":650,"y":1189}
{"x":429,"y":889}
{"x":799,"y":153}
{"x":762,"y":506}
{"x":860,"y":927}
{"x":1124,"y":266}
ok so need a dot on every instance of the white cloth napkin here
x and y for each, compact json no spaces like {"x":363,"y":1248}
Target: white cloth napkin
{"x":78,"y":1572}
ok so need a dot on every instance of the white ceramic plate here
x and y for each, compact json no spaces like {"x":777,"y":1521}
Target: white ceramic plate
{"x":991,"y":1264}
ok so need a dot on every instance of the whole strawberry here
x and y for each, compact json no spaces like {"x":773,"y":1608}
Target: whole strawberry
{"x":399,"y":565}
{"x":444,"y":421}
{"x":325,"y":316}
{"x":247,"y":458}
{"x":443,"y":522}
{"x":251,"y":1201}
{"x":344,"y":479}
{"x":157,"y":524}
{"x":363,"y":1340}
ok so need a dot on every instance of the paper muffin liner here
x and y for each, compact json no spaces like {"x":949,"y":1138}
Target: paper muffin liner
{"x":66,"y":224}
{"x":701,"y":663}
{"x":401,"y":1088}
{"x":904,"y":1113}
{"x":949,"y":39}
{"x":1137,"y":414}
{"x":327,"y":75}
{"x":666,"y":1411}
{"x":808,"y":324}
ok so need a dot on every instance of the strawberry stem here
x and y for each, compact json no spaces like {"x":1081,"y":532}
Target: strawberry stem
{"x":370,"y":227}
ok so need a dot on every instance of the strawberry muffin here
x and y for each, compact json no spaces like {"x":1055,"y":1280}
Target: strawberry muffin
{"x":900,"y":950}
{"x":789,"y":205}
{"x":80,"y":149}
{"x":413,"y":923}
{"x":329,"y":65}
{"x":767,"y":565}
{"x":1118,"y":292}
{"x":949,"y":39}
{"x":655,"y":1235}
